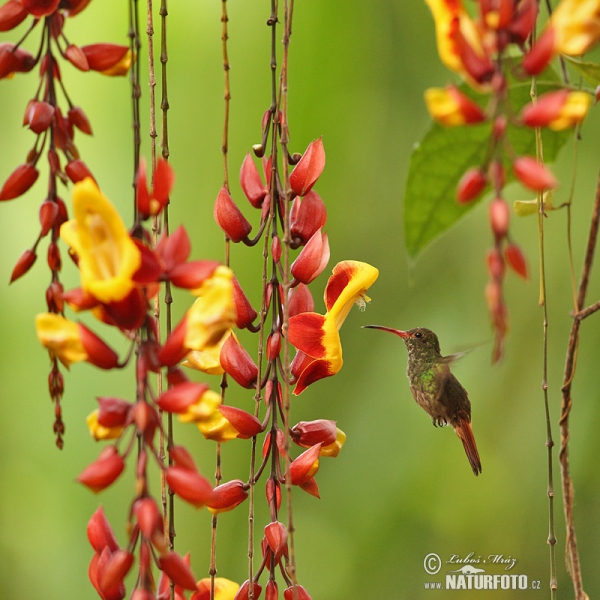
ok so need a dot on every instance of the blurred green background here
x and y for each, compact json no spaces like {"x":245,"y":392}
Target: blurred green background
{"x":400,"y":489}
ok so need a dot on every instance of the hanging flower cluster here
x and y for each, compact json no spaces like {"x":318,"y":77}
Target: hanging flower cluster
{"x":479,"y":49}
{"x":120,"y":273}
{"x":300,"y":213}
{"x":53,"y":118}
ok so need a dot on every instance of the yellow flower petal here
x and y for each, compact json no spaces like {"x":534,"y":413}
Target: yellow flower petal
{"x":576,"y":25}
{"x":99,"y":432}
{"x":61,"y":337}
{"x":334,"y":448}
{"x":108,"y":258}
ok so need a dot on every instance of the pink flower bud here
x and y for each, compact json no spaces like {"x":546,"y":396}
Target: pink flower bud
{"x":189,"y":485}
{"x":471,"y":185}
{"x":177,"y":570}
{"x":19,"y":181}
{"x":23,"y":265}
{"x":245,"y":423}
{"x":499,"y":217}
{"x":308,"y":169}
{"x":103,"y":471}
{"x":229,"y":217}
{"x":516,"y":260}
{"x":533,"y":174}
{"x":236,"y":362}
{"x":251,"y":183}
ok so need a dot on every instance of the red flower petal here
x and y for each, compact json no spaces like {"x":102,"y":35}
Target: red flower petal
{"x":308,"y":169}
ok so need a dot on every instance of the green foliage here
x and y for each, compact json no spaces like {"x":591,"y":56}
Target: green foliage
{"x":588,"y":70}
{"x":443,"y":155}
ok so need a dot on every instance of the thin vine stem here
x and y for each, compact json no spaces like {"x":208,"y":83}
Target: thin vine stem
{"x":544,"y":305}
{"x":573,"y":563}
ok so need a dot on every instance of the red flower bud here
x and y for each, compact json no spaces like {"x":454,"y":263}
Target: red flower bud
{"x":273,"y":346}
{"x":103,"y":471}
{"x":116,"y":568}
{"x":307,"y":215}
{"x":308,"y":169}
{"x":113,"y":412}
{"x":273,"y":492}
{"x":313,"y":258}
{"x":301,"y":300}
{"x":516,"y":260}
{"x":79,"y":119}
{"x":146,"y":419}
{"x":245,"y":314}
{"x":13,"y":60}
{"x":177,"y":570}
{"x":23,"y":265}
{"x":40,"y":8}
{"x":228,"y":495}
{"x":271,"y":591}
{"x":76,"y":56}
{"x":495,"y":264}
{"x":238,"y":363}
{"x":300,"y":593}
{"x":99,"y":352}
{"x":276,"y":535}
{"x":181,"y":396}
{"x":245,"y":423}
{"x":471,"y":184}
{"x":54,"y":261}
{"x":77,"y":170}
{"x":533,"y":174}
{"x":101,"y":57}
{"x":19,"y":181}
{"x":243,"y":592}
{"x":39,"y":116}
{"x":252,"y":186}
{"x":191,"y":275}
{"x":148,"y":517}
{"x":276,"y":248}
{"x":545,"y":110}
{"x":173,"y":351}
{"x":541,"y":53}
{"x":309,"y":433}
{"x":499,"y":217}
{"x":523,"y":21}
{"x":11,"y":14}
{"x":229,"y":217}
{"x":182,"y":458}
{"x":189,"y":485}
{"x":303,"y":467}
{"x":100,"y":533}
{"x":47,"y":214}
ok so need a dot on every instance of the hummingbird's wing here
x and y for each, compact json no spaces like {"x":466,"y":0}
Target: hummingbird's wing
{"x":448,"y":360}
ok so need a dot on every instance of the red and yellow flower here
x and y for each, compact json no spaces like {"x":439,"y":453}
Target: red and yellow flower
{"x":317,"y":336}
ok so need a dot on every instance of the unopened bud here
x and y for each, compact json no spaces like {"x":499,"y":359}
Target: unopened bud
{"x":471,"y":184}
{"x":499,"y":217}
{"x":308,"y":169}
{"x":533,"y":174}
{"x":19,"y":181}
{"x":516,"y":260}
{"x":23,"y":265}
{"x":251,"y":183}
{"x":104,"y":471}
{"x":236,"y":361}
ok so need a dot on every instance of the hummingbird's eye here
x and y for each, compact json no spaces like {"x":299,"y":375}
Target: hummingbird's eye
{"x":418,"y":334}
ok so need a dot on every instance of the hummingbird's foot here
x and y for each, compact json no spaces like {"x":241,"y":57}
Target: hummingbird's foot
{"x":441,"y":422}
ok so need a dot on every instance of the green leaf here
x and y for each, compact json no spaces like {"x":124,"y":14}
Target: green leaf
{"x":589,"y":71}
{"x":445,"y":153}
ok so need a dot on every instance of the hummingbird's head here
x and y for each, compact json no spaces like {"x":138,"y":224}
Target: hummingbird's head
{"x":420,"y":342}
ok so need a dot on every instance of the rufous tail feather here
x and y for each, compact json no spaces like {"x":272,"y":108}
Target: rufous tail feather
{"x":465,"y":433}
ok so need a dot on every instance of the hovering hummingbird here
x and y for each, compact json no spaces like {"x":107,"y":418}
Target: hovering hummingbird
{"x":434,"y":387}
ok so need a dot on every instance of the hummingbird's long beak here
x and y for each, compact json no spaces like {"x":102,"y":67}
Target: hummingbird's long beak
{"x":399,"y":332}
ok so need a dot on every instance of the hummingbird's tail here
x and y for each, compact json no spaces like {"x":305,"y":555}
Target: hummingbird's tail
{"x":465,"y":433}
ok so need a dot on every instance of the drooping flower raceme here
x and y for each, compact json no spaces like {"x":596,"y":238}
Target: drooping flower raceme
{"x":317,"y":336}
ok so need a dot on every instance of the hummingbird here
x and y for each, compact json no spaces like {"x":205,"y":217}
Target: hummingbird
{"x":435,"y":389}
